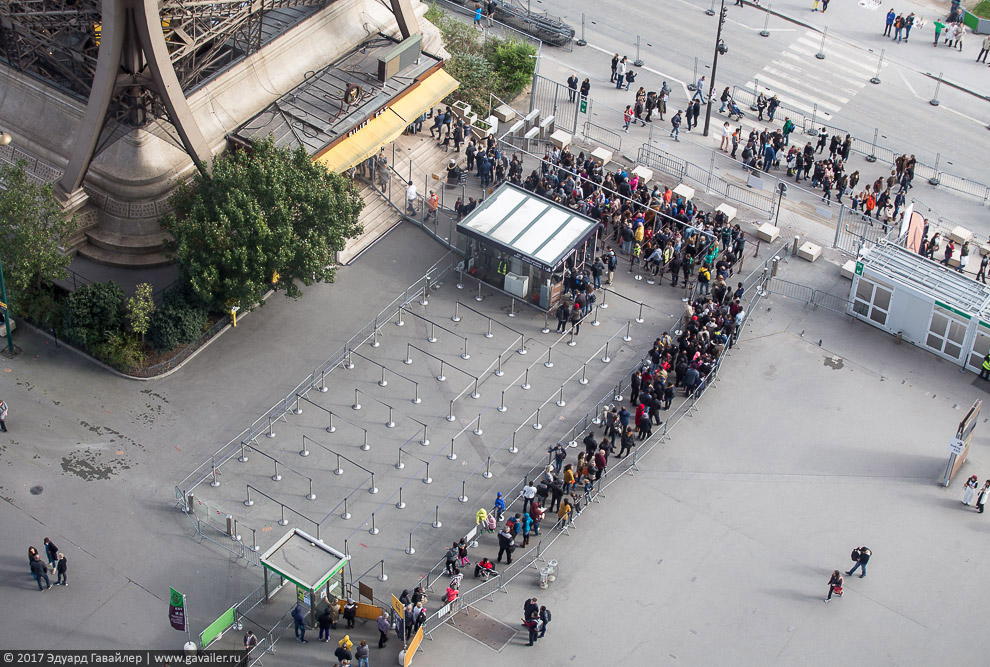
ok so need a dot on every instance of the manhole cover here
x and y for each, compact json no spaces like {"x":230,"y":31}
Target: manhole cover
{"x":37,"y":490}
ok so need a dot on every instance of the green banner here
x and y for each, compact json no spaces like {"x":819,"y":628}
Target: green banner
{"x":217,"y":627}
{"x":177,"y":610}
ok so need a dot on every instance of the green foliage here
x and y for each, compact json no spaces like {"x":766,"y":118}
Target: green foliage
{"x":982,"y":9}
{"x":139,"y":310}
{"x":483,"y":66}
{"x":96,"y":313}
{"x":263,"y":210}
{"x":514,"y":62}
{"x":42,"y":307}
{"x":32,"y":227}
{"x":474,"y":74}
{"x":119,"y":350}
{"x":181,"y":319}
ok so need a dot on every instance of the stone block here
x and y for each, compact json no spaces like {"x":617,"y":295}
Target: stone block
{"x":809,"y":251}
{"x":849,"y":269}
{"x":645,"y":173}
{"x":961,"y":235}
{"x":603,"y":155}
{"x":767,"y":232}
{"x":505,"y":113}
{"x":561,"y":139}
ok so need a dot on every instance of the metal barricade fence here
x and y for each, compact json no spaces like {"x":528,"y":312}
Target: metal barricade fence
{"x":603,"y":136}
{"x":553,"y":98}
{"x":654,"y":158}
{"x":789,"y":289}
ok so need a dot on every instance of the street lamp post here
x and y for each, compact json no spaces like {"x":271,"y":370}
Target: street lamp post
{"x":720,"y":48}
{"x":781,"y":188}
{"x":6,"y":312}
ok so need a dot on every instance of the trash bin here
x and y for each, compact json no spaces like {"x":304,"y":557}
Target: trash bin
{"x":898,"y":337}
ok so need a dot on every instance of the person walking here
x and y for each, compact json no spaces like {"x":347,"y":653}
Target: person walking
{"x":699,"y":90}
{"x":981,"y":500}
{"x":40,"y":571}
{"x":981,"y":275}
{"x":724,"y":99}
{"x":984,"y":50}
{"x":958,"y":34}
{"x":970,"y":488}
{"x":544,"y":617}
{"x":383,"y":628}
{"x":835,"y":585}
{"x":362,"y":653}
{"x":860,"y":556}
{"x":61,"y":568}
{"x":3,"y":416}
{"x":299,"y":624}
{"x":675,"y":127}
{"x":411,"y":198}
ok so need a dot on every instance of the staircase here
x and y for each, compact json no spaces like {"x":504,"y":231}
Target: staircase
{"x":378,"y":216}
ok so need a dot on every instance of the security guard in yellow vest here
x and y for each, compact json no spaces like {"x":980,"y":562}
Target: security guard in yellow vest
{"x":985,"y":373}
{"x":503,"y":266}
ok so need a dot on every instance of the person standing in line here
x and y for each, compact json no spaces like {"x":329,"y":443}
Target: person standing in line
{"x":861,"y":557}
{"x":981,"y":500}
{"x":615,"y":67}
{"x":51,"y":551}
{"x":835,"y":585}
{"x":324,"y":621}
{"x":350,"y":612}
{"x":505,"y":546}
{"x":299,"y":624}
{"x":362,"y":653}
{"x":576,"y":319}
{"x":40,"y":571}
{"x":572,"y":85}
{"x":61,"y":568}
{"x":499,"y":508}
{"x":544,"y":617}
{"x":971,"y":484}
{"x":563,"y":313}
{"x":889,"y":25}
{"x":383,"y":628}
{"x":3,"y":416}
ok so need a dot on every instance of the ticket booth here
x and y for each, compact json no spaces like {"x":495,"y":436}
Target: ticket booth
{"x":521,"y":244}
{"x":316,"y":569}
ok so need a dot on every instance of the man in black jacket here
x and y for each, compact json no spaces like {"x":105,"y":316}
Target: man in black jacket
{"x":40,"y":571}
{"x":864,"y":558}
{"x":505,"y":546}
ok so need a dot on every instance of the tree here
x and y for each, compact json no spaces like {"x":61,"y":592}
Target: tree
{"x":139,"y":310}
{"x":33,"y":228}
{"x":264,"y":210}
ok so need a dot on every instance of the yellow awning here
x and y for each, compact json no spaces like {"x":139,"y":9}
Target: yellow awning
{"x":388,"y":126}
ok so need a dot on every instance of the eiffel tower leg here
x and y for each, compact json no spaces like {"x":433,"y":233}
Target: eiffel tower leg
{"x":114,"y":24}
{"x":153,"y":40}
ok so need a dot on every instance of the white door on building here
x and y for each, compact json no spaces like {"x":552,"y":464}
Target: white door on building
{"x":981,"y":345}
{"x":946,"y":333}
{"x":872,"y":301}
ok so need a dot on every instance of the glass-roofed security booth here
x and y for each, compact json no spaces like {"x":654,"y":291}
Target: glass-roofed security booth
{"x":521,"y":243}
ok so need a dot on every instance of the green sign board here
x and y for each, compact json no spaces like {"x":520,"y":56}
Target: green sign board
{"x":953,"y":310}
{"x":217,"y":627}
{"x":583,"y":105}
{"x":859,"y":268}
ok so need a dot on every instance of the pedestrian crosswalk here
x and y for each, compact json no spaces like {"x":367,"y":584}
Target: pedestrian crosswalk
{"x":811,"y":85}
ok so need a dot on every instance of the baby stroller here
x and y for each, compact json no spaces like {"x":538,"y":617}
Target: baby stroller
{"x":734,"y":110}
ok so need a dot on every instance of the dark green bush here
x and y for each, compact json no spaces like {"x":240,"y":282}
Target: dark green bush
{"x":181,"y":319}
{"x":96,"y":313}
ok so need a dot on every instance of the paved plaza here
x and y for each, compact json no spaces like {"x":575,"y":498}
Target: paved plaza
{"x":820,"y":435}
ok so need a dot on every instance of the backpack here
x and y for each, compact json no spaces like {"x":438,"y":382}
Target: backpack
{"x":855,"y":555}
{"x":638,"y":234}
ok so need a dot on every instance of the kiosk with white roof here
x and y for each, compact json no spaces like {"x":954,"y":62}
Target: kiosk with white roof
{"x":521,"y":243}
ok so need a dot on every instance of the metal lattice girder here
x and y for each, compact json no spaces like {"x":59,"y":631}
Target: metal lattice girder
{"x":59,"y":39}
